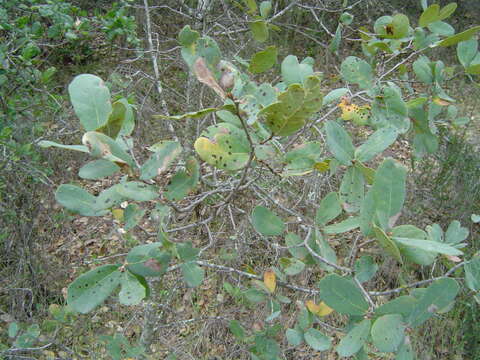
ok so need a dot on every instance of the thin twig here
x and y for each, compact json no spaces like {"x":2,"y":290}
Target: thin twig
{"x":158,"y":83}
{"x":322,"y":259}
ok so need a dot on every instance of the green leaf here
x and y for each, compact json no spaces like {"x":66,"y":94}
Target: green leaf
{"x":320,"y":245}
{"x":405,"y":352}
{"x":466,"y":51}
{"x":294,"y":72}
{"x":192,"y":274}
{"x":47,"y":144}
{"x":389,"y":190}
{"x":132,"y":290}
{"x":259,"y":30}
{"x":368,"y":173}
{"x":252,"y":6}
{"x":334,"y":95}
{"x":475,"y":218}
{"x":186,"y":252}
{"x":342,"y":295}
{"x":265,"y":8}
{"x":386,"y":242}
{"x":187,"y":37}
{"x":441,"y":28}
{"x":427,"y":245}
{"x":413,"y":253}
{"x":365,"y":268}
{"x":30,"y":51}
{"x":263,"y":60}
{"x":423,"y":70}
{"x":116,"y":119}
{"x":13,"y":329}
{"x":91,"y":101}
{"x":473,"y":69}
{"x":147,"y":260}
{"x":352,"y":190}
{"x":294,"y":337}
{"x":184,"y":181}
{"x":292,"y":241}
{"x":336,"y":40}
{"x":78,"y":200}
{"x":132,"y":215}
{"x":472,"y":274}
{"x":429,"y":15}
{"x":339,"y":143}
{"x":388,"y":332}
{"x":291,"y":266}
{"x":367,"y":214}
{"x":137,"y":191}
{"x":317,"y":340}
{"x":357,"y":71}
{"x":98,"y":169}
{"x":446,"y":11}
{"x":328,"y":210}
{"x":354,"y":340}
{"x":455,"y":233}
{"x":160,"y":160}
{"x":254,"y":295}
{"x":403,"y":305}
{"x":346,"y":18}
{"x":92,"y":288}
{"x":376,"y":143}
{"x":237,"y":329}
{"x":302,"y":158}
{"x":401,"y":26}
{"x":109,"y":198}
{"x":436,"y":297}
{"x":343,"y":226}
{"x":266,"y":222}
{"x":293,"y":107}
{"x":463,"y":36}
{"x":397,"y":111}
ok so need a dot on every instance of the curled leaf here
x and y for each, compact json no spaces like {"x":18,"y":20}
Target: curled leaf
{"x":205,"y":76}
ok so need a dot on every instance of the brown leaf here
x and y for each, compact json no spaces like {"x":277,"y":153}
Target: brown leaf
{"x":205,"y":76}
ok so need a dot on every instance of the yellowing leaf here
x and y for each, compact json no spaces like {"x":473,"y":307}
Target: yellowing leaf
{"x":321,"y":309}
{"x":440,"y":102}
{"x":322,"y":166}
{"x":270,"y":280}
{"x":358,"y":114}
{"x":117,"y":214}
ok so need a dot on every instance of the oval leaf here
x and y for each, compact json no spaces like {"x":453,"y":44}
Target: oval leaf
{"x":92,"y":288}
{"x":342,"y":295}
{"x":266,"y":222}
{"x":91,"y":101}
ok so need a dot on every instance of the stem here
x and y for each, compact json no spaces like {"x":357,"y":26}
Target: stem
{"x":158,"y":83}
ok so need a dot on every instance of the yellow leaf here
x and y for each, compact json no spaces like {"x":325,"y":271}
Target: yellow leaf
{"x":117,"y":214}
{"x":321,"y":309}
{"x":322,"y":166}
{"x":270,"y":280}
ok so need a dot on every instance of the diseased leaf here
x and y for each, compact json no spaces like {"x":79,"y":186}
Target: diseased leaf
{"x":205,"y":76}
